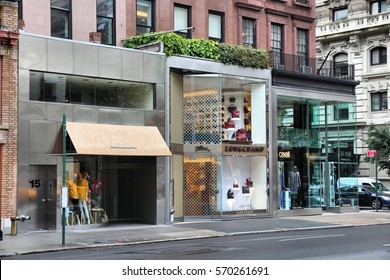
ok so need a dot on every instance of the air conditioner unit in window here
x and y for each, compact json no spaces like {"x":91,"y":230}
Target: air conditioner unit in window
{"x":278,"y":66}
{"x":304,"y":69}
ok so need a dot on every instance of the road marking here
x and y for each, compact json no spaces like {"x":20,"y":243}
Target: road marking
{"x":386,"y":245}
{"x":267,"y":238}
{"x":312,"y":237}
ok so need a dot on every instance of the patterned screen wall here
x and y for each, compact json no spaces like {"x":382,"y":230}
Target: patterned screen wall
{"x":202,"y":110}
{"x":201,"y":195}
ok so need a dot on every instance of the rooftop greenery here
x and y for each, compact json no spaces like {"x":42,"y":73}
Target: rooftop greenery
{"x":175,"y":44}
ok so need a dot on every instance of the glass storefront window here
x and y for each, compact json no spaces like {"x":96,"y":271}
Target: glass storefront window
{"x":110,"y":188}
{"x":316,"y":146}
{"x":52,"y":87}
{"x":228,"y":112}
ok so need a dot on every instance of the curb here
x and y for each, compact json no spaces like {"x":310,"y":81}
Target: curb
{"x":85,"y":246}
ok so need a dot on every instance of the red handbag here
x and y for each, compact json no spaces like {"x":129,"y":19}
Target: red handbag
{"x":229,"y":124}
{"x":249,"y":182}
{"x":242,"y":134}
{"x":235,"y":114}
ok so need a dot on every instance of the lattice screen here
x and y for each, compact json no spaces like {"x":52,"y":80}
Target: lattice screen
{"x":201,"y":196}
{"x":202,"y":112}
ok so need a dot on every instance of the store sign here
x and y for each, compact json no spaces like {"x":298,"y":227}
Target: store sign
{"x":202,"y":149}
{"x":284,"y":154}
{"x":233,"y":149}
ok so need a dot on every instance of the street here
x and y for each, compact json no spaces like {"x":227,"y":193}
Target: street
{"x":348,"y":243}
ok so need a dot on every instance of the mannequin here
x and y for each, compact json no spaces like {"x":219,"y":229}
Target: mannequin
{"x":294,"y":182}
{"x":83,"y":189}
{"x":74,"y":196}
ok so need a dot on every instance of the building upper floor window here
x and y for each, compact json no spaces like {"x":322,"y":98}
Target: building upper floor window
{"x":379,"y":101}
{"x":249,"y":32}
{"x":341,"y":112}
{"x":340,"y":14}
{"x":340,"y":65}
{"x":62,"y":88}
{"x":379,"y":56}
{"x":216,"y":26}
{"x":182,"y":20}
{"x":302,"y":46}
{"x":277,"y":44}
{"x":145,"y":16}
{"x":60,"y":18}
{"x":377,"y":7}
{"x":105,"y":21}
{"x":303,"y":1}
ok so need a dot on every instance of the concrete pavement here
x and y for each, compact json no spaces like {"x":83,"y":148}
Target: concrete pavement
{"x":86,"y":236}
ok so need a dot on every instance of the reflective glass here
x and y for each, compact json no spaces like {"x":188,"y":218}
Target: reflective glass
{"x":105,"y":8}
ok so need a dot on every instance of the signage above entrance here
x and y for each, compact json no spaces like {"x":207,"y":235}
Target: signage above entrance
{"x":249,"y":150}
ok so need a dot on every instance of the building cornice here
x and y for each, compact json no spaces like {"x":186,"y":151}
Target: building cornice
{"x":248,"y":6}
{"x":304,"y":18}
{"x":276,"y":12}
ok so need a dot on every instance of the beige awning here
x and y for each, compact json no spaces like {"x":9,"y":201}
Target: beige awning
{"x":117,"y":140}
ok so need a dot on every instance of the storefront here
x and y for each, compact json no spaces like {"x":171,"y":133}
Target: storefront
{"x":116,"y":167}
{"x":218,"y":140}
{"x":315,"y":144}
{"x":116,"y":152}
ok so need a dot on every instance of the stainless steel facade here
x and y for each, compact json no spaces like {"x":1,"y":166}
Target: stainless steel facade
{"x":40,"y":123}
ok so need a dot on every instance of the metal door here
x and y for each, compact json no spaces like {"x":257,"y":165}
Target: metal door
{"x":46,"y":186}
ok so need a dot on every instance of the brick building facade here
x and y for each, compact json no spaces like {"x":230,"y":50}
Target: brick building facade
{"x":8,"y":107}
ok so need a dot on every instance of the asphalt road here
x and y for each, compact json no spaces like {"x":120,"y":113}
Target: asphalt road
{"x":350,"y":243}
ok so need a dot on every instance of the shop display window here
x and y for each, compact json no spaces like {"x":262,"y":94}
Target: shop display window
{"x":315,"y":148}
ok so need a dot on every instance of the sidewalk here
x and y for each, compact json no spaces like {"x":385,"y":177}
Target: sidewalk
{"x":84,"y":236}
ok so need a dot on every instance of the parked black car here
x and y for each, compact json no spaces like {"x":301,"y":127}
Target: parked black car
{"x":367,"y":197}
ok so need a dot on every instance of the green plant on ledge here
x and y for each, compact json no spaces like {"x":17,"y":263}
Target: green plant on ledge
{"x":228,"y":54}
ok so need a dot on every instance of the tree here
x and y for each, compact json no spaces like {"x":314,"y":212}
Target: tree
{"x":379,"y":140}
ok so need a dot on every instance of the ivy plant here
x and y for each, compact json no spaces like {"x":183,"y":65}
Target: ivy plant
{"x":174,"y":44}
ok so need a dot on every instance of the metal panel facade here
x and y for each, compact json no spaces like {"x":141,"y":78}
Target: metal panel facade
{"x":40,"y":122}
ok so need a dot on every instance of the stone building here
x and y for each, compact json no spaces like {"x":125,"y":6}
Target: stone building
{"x":357,"y":32}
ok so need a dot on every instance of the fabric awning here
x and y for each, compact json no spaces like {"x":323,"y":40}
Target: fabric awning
{"x":117,"y":140}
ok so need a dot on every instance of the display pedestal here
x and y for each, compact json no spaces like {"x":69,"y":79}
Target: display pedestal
{"x":230,"y":203}
{"x":247,"y":204}
{"x":237,"y":122}
{"x":229,"y":133}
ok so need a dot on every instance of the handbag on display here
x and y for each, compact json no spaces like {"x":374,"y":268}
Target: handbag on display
{"x":235,"y":183}
{"x":242,"y":134}
{"x":229,"y":124}
{"x":246,"y":121}
{"x":249,"y":182}
{"x":232,"y":99}
{"x":246,"y":109}
{"x":245,"y":189}
{"x":230,"y":194}
{"x":231,"y":108}
{"x":235,"y":113}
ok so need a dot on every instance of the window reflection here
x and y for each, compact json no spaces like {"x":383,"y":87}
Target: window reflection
{"x":60,"y":18}
{"x":52,"y":87}
{"x":144,"y":16}
{"x":105,"y":20}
